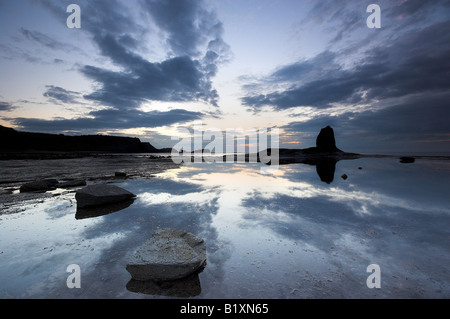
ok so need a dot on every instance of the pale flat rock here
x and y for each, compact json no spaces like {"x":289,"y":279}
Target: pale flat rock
{"x":101,"y":194}
{"x":168,"y":255}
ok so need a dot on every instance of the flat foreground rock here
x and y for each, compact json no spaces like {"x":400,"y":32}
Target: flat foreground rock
{"x":101,"y":194}
{"x":168,"y":255}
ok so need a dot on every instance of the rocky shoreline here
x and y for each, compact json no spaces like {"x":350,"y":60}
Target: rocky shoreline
{"x":53,"y":177}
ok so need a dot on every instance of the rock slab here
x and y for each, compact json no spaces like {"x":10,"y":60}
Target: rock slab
{"x":169,"y":254}
{"x":101,"y":194}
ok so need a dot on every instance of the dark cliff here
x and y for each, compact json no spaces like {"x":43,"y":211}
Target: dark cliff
{"x":15,"y":141}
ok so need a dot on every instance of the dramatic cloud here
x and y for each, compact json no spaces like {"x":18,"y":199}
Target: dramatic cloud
{"x":109,"y":119}
{"x":57,"y":94}
{"x":326,"y":67}
{"x":46,"y":40}
{"x":194,"y":38}
{"x":192,"y":48}
{"x":188,"y":25}
{"x":386,"y":72}
{"x":195,"y":49}
{"x":5,"y":106}
{"x":418,"y":119}
{"x":393,"y":95}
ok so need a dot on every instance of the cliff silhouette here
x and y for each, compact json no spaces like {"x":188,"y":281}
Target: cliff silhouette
{"x":12,"y":141}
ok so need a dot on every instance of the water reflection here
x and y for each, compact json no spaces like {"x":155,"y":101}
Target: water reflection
{"x":100,"y":210}
{"x":325,"y":169}
{"x":181,"y":288}
{"x":280,"y":235}
{"x":349,"y":225}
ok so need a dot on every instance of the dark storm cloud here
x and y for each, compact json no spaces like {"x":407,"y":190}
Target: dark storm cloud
{"x":194,"y":36}
{"x":109,"y":119}
{"x":5,"y":106}
{"x":176,"y":79}
{"x":417,"y":62}
{"x":191,"y":32}
{"x":46,"y":41}
{"x":403,"y":81}
{"x":195,"y":50}
{"x":187,"y":24}
{"x":58,"y":94}
{"x":416,"y":8}
{"x":415,"y":119}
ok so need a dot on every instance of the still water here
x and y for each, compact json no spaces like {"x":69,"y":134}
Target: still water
{"x":278,"y":234}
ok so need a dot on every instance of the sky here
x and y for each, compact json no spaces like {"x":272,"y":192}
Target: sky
{"x":151,"y":68}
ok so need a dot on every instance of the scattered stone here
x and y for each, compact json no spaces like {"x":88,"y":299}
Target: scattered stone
{"x":360,"y":167}
{"x":101,"y":194}
{"x":120,"y":174}
{"x":407,"y":159}
{"x":37,"y":186}
{"x":168,"y":255}
{"x":344,"y":176}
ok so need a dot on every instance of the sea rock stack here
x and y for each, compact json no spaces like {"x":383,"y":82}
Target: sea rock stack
{"x":325,"y":140}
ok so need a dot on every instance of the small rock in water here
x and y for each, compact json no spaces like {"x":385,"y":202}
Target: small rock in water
{"x":34,"y":187}
{"x":344,"y":176}
{"x":101,"y":194}
{"x":120,"y":174}
{"x":168,"y":255}
{"x":407,"y":159}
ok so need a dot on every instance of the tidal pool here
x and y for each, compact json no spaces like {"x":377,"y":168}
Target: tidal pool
{"x":279,"y":234}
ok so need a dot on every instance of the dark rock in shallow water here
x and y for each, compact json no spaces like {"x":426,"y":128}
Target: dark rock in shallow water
{"x":344,"y":176}
{"x":168,"y":255}
{"x":101,"y":194}
{"x":407,"y":159}
{"x":37,"y":186}
{"x":120,"y":174}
